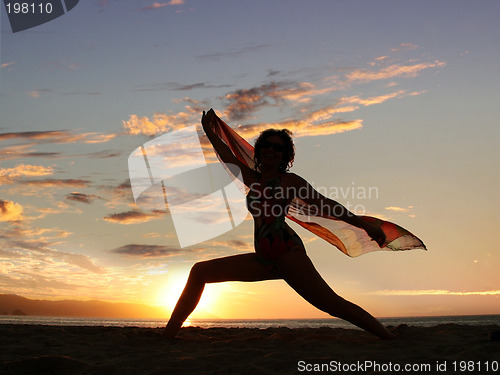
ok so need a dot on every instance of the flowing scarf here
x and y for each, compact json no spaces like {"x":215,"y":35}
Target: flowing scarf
{"x":351,"y":240}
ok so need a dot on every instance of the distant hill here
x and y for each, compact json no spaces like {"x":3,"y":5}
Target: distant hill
{"x":10,"y":303}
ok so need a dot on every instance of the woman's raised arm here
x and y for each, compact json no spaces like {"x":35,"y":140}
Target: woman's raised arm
{"x":328,"y":207}
{"x":223,"y":150}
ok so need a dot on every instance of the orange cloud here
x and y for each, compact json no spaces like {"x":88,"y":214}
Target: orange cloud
{"x":405,"y":46}
{"x":156,"y":5}
{"x":436,"y":292}
{"x":58,"y":183}
{"x":58,"y":136}
{"x":133,"y":217}
{"x":399,"y":209}
{"x":395,"y":70}
{"x":10,"y":211}
{"x":301,"y":128}
{"x":160,"y":123}
{"x":372,"y":100}
{"x":23,"y":170}
{"x":327,"y":112}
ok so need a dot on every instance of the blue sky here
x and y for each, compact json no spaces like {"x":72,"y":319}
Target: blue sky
{"x":397,"y":96}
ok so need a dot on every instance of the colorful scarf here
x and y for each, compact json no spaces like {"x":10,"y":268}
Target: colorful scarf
{"x":351,"y":240}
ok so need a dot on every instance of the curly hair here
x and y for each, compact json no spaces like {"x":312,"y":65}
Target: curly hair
{"x":288,"y":153}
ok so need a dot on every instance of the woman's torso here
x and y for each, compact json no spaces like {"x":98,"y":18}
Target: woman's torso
{"x":268,"y":202}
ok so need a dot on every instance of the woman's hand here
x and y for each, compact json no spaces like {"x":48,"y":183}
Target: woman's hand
{"x":375,"y":233}
{"x":206,"y":120}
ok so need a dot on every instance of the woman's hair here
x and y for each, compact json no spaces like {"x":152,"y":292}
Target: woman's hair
{"x":288,"y":152}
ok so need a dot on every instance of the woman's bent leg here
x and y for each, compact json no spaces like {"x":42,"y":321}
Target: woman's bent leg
{"x":243,"y":267}
{"x":300,"y":273}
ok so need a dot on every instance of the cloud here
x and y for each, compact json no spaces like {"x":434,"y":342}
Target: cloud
{"x":232,"y":245}
{"x":133,"y":217}
{"x":107,"y":154}
{"x":81,"y":261}
{"x":436,"y":292}
{"x":405,"y":46}
{"x":23,"y":170}
{"x":24,"y":151}
{"x":372,"y":100}
{"x":327,"y":112}
{"x":156,"y":5}
{"x":160,"y":123}
{"x":97,"y":138}
{"x":119,"y":194}
{"x":307,"y":129}
{"x":10,"y":211}
{"x":82,"y":198}
{"x":57,"y":183}
{"x":301,"y":128}
{"x":242,"y":103}
{"x":35,"y":246}
{"x":392,"y":71}
{"x":163,"y":86}
{"x":307,"y":120}
{"x":5,"y":65}
{"x":57,"y":136}
{"x":36,"y":93}
{"x":149,"y":251}
{"x":398,"y":209}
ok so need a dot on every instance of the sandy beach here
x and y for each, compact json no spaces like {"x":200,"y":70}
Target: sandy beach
{"x":443,"y":349}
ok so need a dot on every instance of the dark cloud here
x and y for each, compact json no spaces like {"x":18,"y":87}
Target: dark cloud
{"x":133,"y":217}
{"x":36,"y":135}
{"x":105,"y":154}
{"x":238,"y":244}
{"x":164,"y":86}
{"x":82,"y":198}
{"x":148,"y":251}
{"x":58,"y":183}
{"x":242,"y":103}
{"x":273,"y":72}
{"x":57,"y":136}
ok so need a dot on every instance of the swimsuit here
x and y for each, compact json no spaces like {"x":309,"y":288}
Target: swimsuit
{"x":272,"y":237}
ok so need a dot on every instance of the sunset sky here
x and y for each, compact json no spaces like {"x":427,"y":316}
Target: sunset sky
{"x":396,"y":98}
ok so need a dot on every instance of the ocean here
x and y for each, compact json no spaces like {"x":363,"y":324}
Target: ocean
{"x":425,"y":321}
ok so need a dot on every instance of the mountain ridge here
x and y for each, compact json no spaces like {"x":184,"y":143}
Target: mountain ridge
{"x":9,"y":303}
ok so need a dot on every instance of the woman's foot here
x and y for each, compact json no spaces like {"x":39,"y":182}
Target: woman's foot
{"x":171,"y":329}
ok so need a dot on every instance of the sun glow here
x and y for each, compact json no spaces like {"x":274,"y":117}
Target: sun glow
{"x":172,"y":290}
{"x":170,"y":293}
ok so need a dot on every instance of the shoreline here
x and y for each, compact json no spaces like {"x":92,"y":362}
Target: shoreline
{"x":44,"y":349}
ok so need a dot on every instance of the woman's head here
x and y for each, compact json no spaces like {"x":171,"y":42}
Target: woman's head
{"x":277,"y":144}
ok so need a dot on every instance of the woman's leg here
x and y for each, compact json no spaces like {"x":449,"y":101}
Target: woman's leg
{"x":299,"y":272}
{"x":242,"y":267}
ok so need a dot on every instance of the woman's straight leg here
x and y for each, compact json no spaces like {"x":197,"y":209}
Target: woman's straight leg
{"x":242,"y":267}
{"x":299,"y":272}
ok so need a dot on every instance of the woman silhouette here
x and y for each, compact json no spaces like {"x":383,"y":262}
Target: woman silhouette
{"x":279,"y":251}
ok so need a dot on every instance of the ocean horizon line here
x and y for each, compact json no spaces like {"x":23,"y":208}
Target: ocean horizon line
{"x":262,"y":323}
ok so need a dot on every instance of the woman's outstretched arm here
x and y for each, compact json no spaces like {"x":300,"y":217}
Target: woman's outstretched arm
{"x":223,"y":150}
{"x":328,"y":207}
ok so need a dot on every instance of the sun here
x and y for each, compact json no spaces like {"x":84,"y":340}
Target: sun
{"x":171,"y":291}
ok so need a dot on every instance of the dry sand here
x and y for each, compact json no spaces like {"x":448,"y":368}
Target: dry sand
{"x":32,"y":349}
